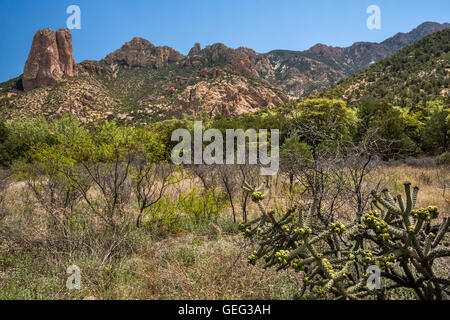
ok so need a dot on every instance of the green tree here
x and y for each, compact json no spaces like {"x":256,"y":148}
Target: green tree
{"x":388,"y":125}
{"x":436,"y":135}
{"x":292,"y":154}
{"x":20,"y":136}
{"x":319,"y":120}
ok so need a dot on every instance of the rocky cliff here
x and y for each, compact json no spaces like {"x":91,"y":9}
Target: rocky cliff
{"x":50,"y":58}
{"x":142,"y":53}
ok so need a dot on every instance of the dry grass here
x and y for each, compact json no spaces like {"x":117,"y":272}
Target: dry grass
{"x":434,"y":183}
{"x":207,"y":263}
{"x":184,"y":267}
{"x":197,"y":268}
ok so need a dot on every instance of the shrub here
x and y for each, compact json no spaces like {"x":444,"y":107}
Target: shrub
{"x":18,"y":137}
{"x":334,"y":258}
{"x":206,"y":207}
{"x":443,"y":159}
{"x":163,"y":216}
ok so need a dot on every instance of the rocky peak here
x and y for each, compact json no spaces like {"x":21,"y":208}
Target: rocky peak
{"x":195,"y":49}
{"x":325,"y":51}
{"x":50,"y":58}
{"x":401,"y":39}
{"x":139,"y":42}
{"x":236,"y":59}
{"x":140,"y":52}
{"x":219,"y":55}
{"x":251,"y":54}
{"x":428,"y":27}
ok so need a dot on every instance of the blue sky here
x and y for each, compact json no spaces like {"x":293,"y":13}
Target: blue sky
{"x":262,"y":25}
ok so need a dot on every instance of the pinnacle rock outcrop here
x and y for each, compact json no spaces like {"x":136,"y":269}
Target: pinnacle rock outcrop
{"x":50,"y":58}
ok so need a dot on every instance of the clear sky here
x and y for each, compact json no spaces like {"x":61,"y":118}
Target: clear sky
{"x":262,"y":25}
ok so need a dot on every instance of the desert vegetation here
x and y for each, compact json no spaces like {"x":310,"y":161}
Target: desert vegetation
{"x":107,"y":198}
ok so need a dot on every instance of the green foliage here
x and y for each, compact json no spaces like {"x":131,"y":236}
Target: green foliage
{"x":269,"y":118}
{"x":443,"y":159}
{"x":334,"y":258}
{"x":20,"y":136}
{"x":390,"y":125}
{"x":293,"y":151}
{"x":413,"y":75}
{"x":4,"y":156}
{"x":436,"y":136}
{"x":68,"y":136}
{"x":203,"y":207}
{"x":317,"y":120}
{"x":163,"y":215}
{"x":316,"y":123}
{"x":162,"y":132}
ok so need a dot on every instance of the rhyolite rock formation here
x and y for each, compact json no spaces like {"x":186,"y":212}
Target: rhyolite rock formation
{"x":50,"y":58}
{"x":232,"y":96}
{"x":140,"y":52}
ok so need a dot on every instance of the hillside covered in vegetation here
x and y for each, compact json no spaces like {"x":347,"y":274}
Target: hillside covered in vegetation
{"x":142,"y":83}
{"x":412,"y":76}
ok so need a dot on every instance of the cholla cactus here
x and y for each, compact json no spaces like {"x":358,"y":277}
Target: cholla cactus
{"x":333,"y":259}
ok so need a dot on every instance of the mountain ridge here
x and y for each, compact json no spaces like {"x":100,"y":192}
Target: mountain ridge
{"x":141,"y":81}
{"x":411,"y":76}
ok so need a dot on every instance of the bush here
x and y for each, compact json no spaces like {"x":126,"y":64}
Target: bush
{"x":443,"y":159}
{"x":19,"y":137}
{"x":338,"y":259}
{"x":206,"y":207}
{"x":163,"y":217}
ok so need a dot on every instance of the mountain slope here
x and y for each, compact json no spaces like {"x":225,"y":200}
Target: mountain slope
{"x":304,"y":72}
{"x":143,"y":82}
{"x":401,"y":40}
{"x":416,"y":73}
